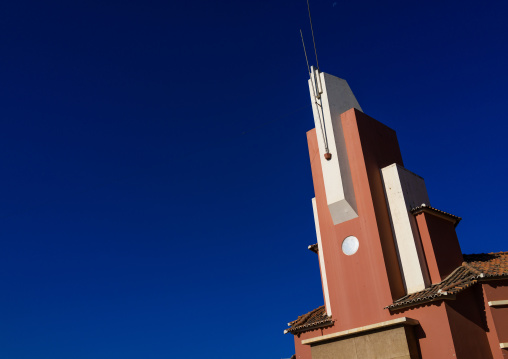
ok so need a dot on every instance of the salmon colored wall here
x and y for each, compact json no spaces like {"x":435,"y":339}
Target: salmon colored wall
{"x":498,"y":290}
{"x":440,"y":244}
{"x":302,"y":351}
{"x":452,"y":328}
{"x":380,"y":148}
{"x":433,"y":334}
{"x":361,"y":285}
{"x":491,"y":330}
{"x":468,"y":325}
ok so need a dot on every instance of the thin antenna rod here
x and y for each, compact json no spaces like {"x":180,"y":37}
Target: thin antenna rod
{"x":305,"y":52}
{"x":312,"y":30}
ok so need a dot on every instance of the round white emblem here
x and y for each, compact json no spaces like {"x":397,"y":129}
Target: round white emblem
{"x":350,"y":245}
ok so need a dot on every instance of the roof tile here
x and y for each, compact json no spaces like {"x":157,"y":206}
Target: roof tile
{"x":425,"y":208}
{"x":314,"y":319}
{"x":475,"y":267}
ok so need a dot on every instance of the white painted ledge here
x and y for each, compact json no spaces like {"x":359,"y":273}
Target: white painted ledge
{"x":498,"y":303}
{"x":389,"y":323}
{"x":503,"y":345}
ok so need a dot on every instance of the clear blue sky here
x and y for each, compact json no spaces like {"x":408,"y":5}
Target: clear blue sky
{"x":155,"y":189}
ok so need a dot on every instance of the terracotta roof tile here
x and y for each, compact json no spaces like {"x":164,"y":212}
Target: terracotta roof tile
{"x":425,"y":208}
{"x":314,"y":319}
{"x":490,"y":264}
{"x":476,"y":267}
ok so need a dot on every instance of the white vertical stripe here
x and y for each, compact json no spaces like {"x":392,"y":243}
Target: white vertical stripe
{"x":405,"y":190}
{"x":336,"y":99}
{"x":321,"y":259}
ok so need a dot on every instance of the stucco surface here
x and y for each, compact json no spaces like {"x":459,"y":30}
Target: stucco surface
{"x":387,"y":344}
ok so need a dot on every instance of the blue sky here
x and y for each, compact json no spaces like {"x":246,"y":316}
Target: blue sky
{"x":156,"y":184}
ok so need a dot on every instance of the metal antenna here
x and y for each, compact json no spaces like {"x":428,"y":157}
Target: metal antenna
{"x":317,"y":96}
{"x":312,"y":31}
{"x":305,"y":52}
{"x":317,"y":90}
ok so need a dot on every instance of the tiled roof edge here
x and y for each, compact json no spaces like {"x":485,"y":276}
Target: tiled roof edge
{"x":314,"y":319}
{"x":306,"y":315}
{"x":423,"y":207}
{"x":418,"y":301}
{"x":306,"y":327}
{"x":400,"y":303}
{"x":449,"y":291}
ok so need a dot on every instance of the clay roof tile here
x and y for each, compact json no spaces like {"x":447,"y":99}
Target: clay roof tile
{"x":475,"y":267}
{"x":316,"y":318}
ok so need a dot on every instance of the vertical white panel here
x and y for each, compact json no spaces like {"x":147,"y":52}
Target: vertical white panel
{"x":335,"y":99}
{"x":321,"y":259}
{"x":405,"y":190}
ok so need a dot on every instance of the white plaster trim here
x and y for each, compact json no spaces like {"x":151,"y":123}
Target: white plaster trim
{"x":335,"y":99}
{"x":321,"y":259}
{"x":498,"y":303}
{"x":404,"y":190}
{"x":389,"y":323}
{"x":503,"y":345}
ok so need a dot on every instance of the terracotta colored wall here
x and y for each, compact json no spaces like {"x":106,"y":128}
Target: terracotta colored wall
{"x":497,"y":317}
{"x":492,"y":333}
{"x":380,"y":148}
{"x":451,"y":329}
{"x":302,"y":351}
{"x":360,"y":285}
{"x":440,"y":244}
{"x":433,"y":335}
{"x":468,"y":325}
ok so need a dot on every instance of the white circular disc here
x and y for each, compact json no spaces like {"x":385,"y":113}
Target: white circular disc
{"x":350,"y":245}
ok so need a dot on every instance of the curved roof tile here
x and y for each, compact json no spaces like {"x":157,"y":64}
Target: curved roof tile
{"x":314,"y":319}
{"x":476,"y":267}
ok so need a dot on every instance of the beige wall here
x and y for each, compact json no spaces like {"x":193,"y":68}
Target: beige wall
{"x":395,"y":343}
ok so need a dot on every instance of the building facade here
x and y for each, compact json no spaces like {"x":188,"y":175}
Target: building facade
{"x":395,"y":282}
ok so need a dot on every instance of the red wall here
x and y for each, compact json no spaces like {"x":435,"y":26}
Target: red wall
{"x":433,"y":333}
{"x":468,"y":325}
{"x":440,"y":244}
{"x":361,"y":285}
{"x":497,"y":317}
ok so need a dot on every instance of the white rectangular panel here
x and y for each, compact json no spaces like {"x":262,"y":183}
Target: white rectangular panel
{"x":404,"y":191}
{"x":331,"y":96}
